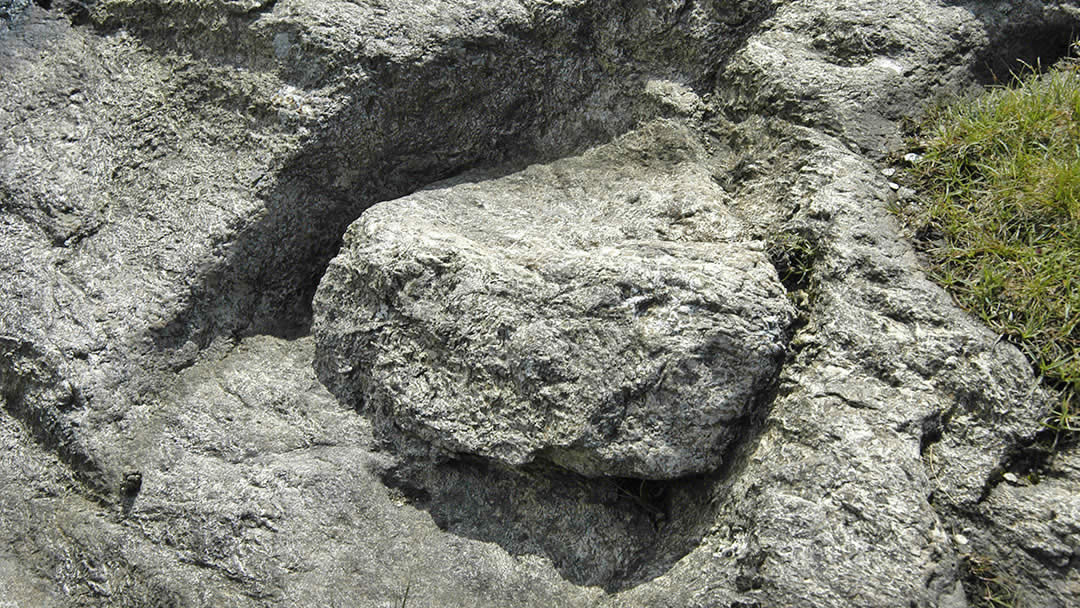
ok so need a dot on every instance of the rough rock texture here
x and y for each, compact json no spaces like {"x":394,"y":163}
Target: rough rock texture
{"x":1029,"y":529}
{"x":599,"y":312}
{"x":176,"y":176}
{"x":10,"y":11}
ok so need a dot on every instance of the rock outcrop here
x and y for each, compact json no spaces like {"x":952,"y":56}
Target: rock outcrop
{"x":599,"y":312}
{"x":620,"y":316}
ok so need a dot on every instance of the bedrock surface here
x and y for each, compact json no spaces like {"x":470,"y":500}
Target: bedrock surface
{"x":619,"y":317}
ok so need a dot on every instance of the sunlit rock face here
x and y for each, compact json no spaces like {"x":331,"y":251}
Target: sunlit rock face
{"x":599,"y":312}
{"x":618,"y":315}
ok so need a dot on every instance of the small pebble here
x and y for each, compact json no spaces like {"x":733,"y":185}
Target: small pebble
{"x":1010,"y":477}
{"x":889,"y":172}
{"x":912,"y":158}
{"x":960,"y":539}
{"x":894,"y":185}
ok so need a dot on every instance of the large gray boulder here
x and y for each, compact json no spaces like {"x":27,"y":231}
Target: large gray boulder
{"x":600,"y":312}
{"x":176,"y":176}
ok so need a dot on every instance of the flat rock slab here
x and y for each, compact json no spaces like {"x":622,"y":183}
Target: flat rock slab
{"x":598,"y":313}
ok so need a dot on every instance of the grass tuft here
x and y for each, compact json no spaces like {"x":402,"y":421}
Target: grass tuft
{"x":985,"y":587}
{"x":1002,"y":219}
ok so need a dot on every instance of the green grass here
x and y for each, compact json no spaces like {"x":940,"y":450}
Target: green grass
{"x":1002,"y":219}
